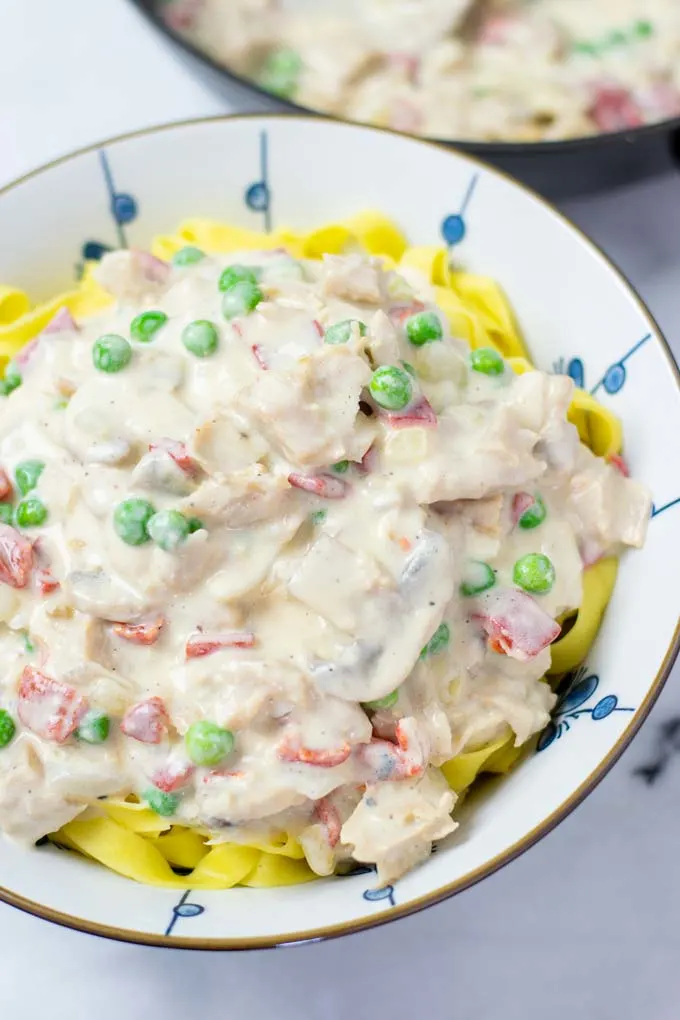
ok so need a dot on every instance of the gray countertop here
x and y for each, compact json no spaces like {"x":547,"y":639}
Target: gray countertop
{"x":587,"y":924}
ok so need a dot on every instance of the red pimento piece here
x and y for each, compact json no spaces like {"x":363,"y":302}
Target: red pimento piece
{"x":146,"y":632}
{"x":47,"y":582}
{"x":173,"y":776}
{"x":48,"y":707}
{"x":369,"y":460}
{"x":147,"y":721}
{"x":258,"y":354}
{"x":496,"y":30}
{"x":153,"y":269}
{"x":617,"y":462}
{"x":420,"y":415}
{"x":62,"y":322}
{"x":515,"y":624}
{"x":521,"y":502}
{"x":200,"y":644}
{"x":387,"y":761}
{"x":16,"y":557}
{"x":321,"y":485}
{"x":404,"y":63}
{"x":615,"y":109}
{"x":318,"y":327}
{"x":400,"y":313}
{"x":326,"y":758}
{"x":5,"y":485}
{"x":179,"y":453}
{"x":329,"y":817}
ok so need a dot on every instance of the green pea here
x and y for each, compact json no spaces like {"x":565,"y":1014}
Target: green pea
{"x":479,"y":577}
{"x":409,"y":368}
{"x":643,"y":29}
{"x":164,"y":804}
{"x":11,"y":381}
{"x":535,"y":573}
{"x":236,"y":274}
{"x":534,"y":515}
{"x":27,"y":474}
{"x":131,"y":520}
{"x":168,"y":529}
{"x":280,"y":73}
{"x":424,"y":328}
{"x":111,"y":353}
{"x":28,"y":644}
{"x":144,"y":326}
{"x":341,"y":467}
{"x":195,"y":524}
{"x":188,"y":256}
{"x":60,"y":403}
{"x":241,"y":298}
{"x":487,"y":361}
{"x":391,"y":387}
{"x":207,"y":743}
{"x":438,"y":641}
{"x":6,"y":513}
{"x":200,"y":338}
{"x":31,"y":512}
{"x":340,"y":332}
{"x":585,"y":48}
{"x":7,"y":728}
{"x":94,"y":728}
{"x":318,"y":516}
{"x":387,"y":702}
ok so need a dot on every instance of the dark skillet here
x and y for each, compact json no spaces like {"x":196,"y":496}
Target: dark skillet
{"x":564,"y":169}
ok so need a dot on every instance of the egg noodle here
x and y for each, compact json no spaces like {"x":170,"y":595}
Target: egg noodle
{"x":127,"y":836}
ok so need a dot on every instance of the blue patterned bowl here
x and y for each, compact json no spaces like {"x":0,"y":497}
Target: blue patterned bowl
{"x":579,"y":316}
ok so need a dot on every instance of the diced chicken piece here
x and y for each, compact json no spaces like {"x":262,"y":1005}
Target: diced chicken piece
{"x":227,"y":443}
{"x":99,"y":594}
{"x":540,"y":403}
{"x":334,"y":583}
{"x":250,"y":556}
{"x":515,"y":623}
{"x":354,"y":278}
{"x":132,"y":276}
{"x":158,"y":472}
{"x":387,"y":537}
{"x":240,"y":499}
{"x":71,"y":640}
{"x":395,"y":824}
{"x":394,"y":627}
{"x":382,"y":342}
{"x":49,"y":708}
{"x":605,"y":507}
{"x":504,"y":693}
{"x":308,"y":413}
{"x":28,"y":807}
{"x":16,"y":557}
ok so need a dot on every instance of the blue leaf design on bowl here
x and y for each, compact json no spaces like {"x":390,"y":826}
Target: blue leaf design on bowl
{"x":257,"y":196}
{"x":578,"y":694}
{"x":124,"y":208}
{"x":189,"y":910}
{"x":605,"y":706}
{"x":547,"y":736}
{"x":453,"y":229}
{"x":576,"y":371}
{"x":374,"y":895}
{"x":614,"y":378}
{"x":94,"y":250}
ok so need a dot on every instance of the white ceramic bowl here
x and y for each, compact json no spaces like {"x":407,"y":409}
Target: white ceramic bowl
{"x":578,"y":315}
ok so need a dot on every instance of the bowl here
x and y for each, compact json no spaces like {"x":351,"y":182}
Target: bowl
{"x":578,"y":315}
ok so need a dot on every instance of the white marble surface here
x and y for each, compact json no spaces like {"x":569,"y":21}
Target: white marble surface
{"x":587,"y":923}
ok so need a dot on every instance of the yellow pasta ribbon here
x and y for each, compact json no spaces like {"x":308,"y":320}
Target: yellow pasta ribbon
{"x":460,"y":772}
{"x":483,"y":297}
{"x":598,"y":428}
{"x":569,"y":651}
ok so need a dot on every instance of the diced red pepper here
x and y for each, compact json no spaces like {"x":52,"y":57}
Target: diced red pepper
{"x":617,"y":461}
{"x":420,"y":415}
{"x":153,"y":269}
{"x":329,"y":816}
{"x":62,"y":322}
{"x":496,"y":29}
{"x":325,"y":758}
{"x":404,"y":63}
{"x":173,"y":776}
{"x":200,"y":644}
{"x":321,"y":485}
{"x":368,"y":461}
{"x":16,"y":557}
{"x":47,"y":582}
{"x":521,"y":502}
{"x":400,"y":313}
{"x":258,"y":354}
{"x":387,"y":762}
{"x":515,"y":624}
{"x":5,"y":485}
{"x":615,"y":109}
{"x":179,"y":454}
{"x":146,"y":632}
{"x":48,"y":707}
{"x":147,"y":721}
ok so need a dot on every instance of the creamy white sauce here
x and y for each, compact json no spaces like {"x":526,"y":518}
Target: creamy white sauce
{"x":308,"y":603}
{"x":520,"y":70}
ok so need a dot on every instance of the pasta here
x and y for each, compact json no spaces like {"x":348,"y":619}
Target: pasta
{"x":126,"y":835}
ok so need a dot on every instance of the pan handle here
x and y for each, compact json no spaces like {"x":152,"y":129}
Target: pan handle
{"x":675,"y":147}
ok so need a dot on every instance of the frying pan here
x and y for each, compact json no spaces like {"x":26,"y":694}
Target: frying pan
{"x":558,"y":169}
